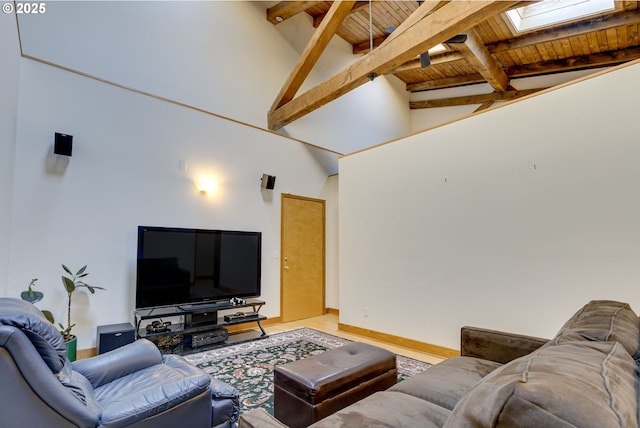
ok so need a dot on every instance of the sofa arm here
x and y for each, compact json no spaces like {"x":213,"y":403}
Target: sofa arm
{"x":225,"y":404}
{"x":259,"y":418}
{"x":497,"y":346}
{"x":104,"y":368}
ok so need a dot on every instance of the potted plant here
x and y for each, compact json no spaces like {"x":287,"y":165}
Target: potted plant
{"x":71,"y":283}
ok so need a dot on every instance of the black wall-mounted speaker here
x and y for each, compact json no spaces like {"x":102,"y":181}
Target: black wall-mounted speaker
{"x":268,"y":181}
{"x":63,"y":144}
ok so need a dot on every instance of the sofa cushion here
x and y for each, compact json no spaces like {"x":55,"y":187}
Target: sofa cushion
{"x":447,"y":382}
{"x":387,"y":409}
{"x":579,"y":384}
{"x":602,"y":320}
{"x":150,"y":391}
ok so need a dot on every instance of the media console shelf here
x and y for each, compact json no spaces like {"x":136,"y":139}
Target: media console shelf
{"x":199,"y":327}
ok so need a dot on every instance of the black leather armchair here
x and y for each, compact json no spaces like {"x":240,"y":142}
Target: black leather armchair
{"x":131,"y":386}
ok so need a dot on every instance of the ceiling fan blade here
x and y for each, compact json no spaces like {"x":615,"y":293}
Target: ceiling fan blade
{"x":460,"y":38}
{"x":425,"y":59}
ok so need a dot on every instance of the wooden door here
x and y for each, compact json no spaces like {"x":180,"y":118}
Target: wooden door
{"x":302,"y":257}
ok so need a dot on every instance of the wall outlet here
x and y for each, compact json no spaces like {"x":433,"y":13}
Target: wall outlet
{"x":365,"y":311}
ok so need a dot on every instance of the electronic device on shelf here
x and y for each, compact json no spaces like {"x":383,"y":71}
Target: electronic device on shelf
{"x":237,"y":301}
{"x":189,"y":267}
{"x":241,"y":316}
{"x":210,"y":337}
{"x":158,"y":326}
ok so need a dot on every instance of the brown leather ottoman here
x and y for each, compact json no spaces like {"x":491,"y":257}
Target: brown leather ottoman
{"x":308,"y":390}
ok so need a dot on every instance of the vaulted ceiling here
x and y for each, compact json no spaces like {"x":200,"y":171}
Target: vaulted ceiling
{"x":491,"y":50}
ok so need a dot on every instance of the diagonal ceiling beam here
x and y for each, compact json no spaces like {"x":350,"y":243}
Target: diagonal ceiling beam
{"x":485,"y":105}
{"x":481,"y":60}
{"x":631,"y":17}
{"x":420,"y":13}
{"x":318,"y":42}
{"x":441,"y":25}
{"x":286,"y":9}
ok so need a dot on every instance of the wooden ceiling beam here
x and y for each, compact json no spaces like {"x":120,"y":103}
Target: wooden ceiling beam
{"x":603,"y":23}
{"x":606,"y":22}
{"x":286,"y":9}
{"x":363,"y":47}
{"x":453,"y":18}
{"x":485,"y":105}
{"x":603,"y":59}
{"x":316,"y":45}
{"x":446,"y":82}
{"x":472,"y":99}
{"x":414,"y":64}
{"x":359,"y":5}
{"x":424,"y":10}
{"x":481,"y":60}
{"x":420,"y":13}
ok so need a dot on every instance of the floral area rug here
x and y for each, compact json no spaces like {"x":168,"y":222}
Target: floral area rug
{"x":249,"y":366}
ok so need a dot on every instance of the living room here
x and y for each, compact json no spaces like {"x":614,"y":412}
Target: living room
{"x":536,"y":204}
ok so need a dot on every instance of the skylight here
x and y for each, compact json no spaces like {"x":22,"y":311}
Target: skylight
{"x":439,"y":48}
{"x":550,"y":12}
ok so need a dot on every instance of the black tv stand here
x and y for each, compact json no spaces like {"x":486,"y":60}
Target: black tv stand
{"x":198,"y":321}
{"x":198,"y":307}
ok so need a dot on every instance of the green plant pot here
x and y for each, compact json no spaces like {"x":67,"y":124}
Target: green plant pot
{"x":72,"y":346}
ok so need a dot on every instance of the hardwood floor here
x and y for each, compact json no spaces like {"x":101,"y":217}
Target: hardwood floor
{"x":329,"y":324}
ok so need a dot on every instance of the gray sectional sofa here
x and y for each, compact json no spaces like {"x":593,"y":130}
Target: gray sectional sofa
{"x":586,"y":376}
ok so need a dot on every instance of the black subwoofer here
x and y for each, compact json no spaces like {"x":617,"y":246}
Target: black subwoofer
{"x":114,"y":336}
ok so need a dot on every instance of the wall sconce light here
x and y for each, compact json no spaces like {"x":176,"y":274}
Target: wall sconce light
{"x":206,"y":185}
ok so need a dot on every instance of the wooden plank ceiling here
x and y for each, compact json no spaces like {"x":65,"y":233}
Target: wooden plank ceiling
{"x":493,"y":51}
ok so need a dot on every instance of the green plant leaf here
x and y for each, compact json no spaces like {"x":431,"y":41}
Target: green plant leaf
{"x":31,"y":296}
{"x":66,"y":269}
{"x":48,"y":315}
{"x":68,"y":285}
{"x":81,"y":271}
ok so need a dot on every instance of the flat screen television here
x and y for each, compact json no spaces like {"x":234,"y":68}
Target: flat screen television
{"x":179,"y":266}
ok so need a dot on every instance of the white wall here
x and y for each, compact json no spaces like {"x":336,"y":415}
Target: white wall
{"x":10,"y":72}
{"x":422,"y":119}
{"x":332,"y":276}
{"x":221,"y":56}
{"x":124,"y":172}
{"x":511,"y":219}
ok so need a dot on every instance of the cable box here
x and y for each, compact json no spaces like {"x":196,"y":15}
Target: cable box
{"x":241,"y":316}
{"x":207,"y":338}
